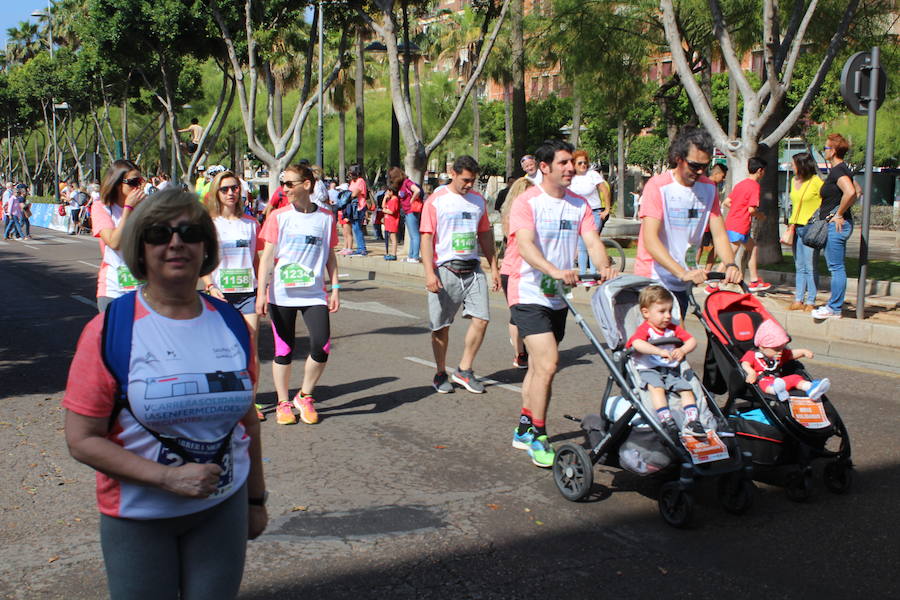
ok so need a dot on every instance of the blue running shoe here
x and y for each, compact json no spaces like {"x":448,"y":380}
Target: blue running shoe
{"x":541,"y":452}
{"x":523,"y":441}
{"x":818,"y":388}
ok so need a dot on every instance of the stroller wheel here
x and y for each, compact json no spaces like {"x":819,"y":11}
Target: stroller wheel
{"x":838,"y":476}
{"x":676,"y":506}
{"x":573,"y":472}
{"x":736,"y":493}
{"x":799,"y":485}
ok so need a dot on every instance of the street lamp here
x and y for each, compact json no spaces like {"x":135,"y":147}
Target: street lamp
{"x":320,"y":139}
{"x":49,"y":15}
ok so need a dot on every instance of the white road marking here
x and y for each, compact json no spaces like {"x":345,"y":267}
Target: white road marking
{"x":92,"y":265}
{"x":83,"y":300}
{"x":484,"y":380}
{"x":29,"y":246}
{"x":377,"y":308}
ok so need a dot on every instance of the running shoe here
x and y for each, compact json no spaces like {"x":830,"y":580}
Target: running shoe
{"x":693,"y":429}
{"x":523,"y":441}
{"x":359,"y":253}
{"x":345,"y":252}
{"x":259,"y":413}
{"x":823,"y":312}
{"x":442,"y":384}
{"x":412,"y":260}
{"x":521,"y":361}
{"x":758,"y":286}
{"x":796,"y":306}
{"x":541,"y":452}
{"x":818,"y":388}
{"x":304,"y":404}
{"x":468,"y":380}
{"x":284,"y":415}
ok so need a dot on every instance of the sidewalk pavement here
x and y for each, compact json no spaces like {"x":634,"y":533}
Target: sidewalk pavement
{"x":873,"y":343}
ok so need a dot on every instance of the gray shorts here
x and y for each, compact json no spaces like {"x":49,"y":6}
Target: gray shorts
{"x":667,"y":379}
{"x":469,"y":291}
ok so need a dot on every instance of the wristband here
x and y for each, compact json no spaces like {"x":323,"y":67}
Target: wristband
{"x":336,"y":286}
{"x":126,"y":207}
{"x":731,"y":265}
{"x":212,"y":285}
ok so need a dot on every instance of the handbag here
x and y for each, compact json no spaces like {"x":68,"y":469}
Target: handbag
{"x":787,"y":238}
{"x":816,"y":233}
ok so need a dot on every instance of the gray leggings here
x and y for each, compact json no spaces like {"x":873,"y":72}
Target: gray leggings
{"x":191,"y":557}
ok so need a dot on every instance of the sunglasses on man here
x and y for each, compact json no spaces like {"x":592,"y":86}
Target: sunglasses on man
{"x":697,"y":166}
{"x":158,"y":234}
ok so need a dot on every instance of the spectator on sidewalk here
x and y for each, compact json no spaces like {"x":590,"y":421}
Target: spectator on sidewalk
{"x":359,"y":190}
{"x":717,"y":176}
{"x":590,"y":185}
{"x":838,"y":195}
{"x":411,"y":203}
{"x":806,"y":187}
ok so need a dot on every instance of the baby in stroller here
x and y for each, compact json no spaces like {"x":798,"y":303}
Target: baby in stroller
{"x":763,"y":364}
{"x":657,"y":360}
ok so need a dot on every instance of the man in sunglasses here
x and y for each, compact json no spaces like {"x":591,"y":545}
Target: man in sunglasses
{"x":676,"y":208}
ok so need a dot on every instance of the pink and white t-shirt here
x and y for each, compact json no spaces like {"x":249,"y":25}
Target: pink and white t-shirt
{"x":303,"y":242}
{"x":237,"y":248}
{"x":188,"y":380}
{"x":557,"y":223}
{"x":648,"y":333}
{"x":683,"y":213}
{"x":455,"y":220}
{"x":114,"y":278}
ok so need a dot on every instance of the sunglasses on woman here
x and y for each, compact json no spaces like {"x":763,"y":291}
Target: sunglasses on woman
{"x":190,"y":233}
{"x":229,"y":188}
{"x":291,"y":184}
{"x":133,"y":181}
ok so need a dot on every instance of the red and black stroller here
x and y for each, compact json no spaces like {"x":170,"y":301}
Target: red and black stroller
{"x":788,"y":434}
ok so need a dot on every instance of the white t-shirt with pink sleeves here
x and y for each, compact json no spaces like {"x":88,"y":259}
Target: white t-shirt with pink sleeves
{"x":683,"y":213}
{"x":188,"y":380}
{"x":303,"y":242}
{"x":237,"y":248}
{"x":114,"y":278}
{"x":557,"y":223}
{"x":455,"y":220}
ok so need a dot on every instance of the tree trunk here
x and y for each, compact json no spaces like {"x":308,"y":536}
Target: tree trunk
{"x":125,"y":127}
{"x":507,"y":130}
{"x":620,"y":167}
{"x":732,"y":122}
{"x":360,"y":101}
{"x":476,"y":127}
{"x":342,"y":145}
{"x":418,"y":86}
{"x":163,"y":145}
{"x":519,"y":114}
{"x":576,"y":116}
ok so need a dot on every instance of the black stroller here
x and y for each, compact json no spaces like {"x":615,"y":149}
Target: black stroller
{"x":627,"y":433}
{"x":787,"y":434}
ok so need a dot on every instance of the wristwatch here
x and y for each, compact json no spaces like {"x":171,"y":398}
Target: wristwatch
{"x":258,"y":501}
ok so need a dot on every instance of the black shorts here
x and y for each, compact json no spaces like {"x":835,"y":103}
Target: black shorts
{"x":533,"y":319}
{"x":707,"y":240}
{"x":504,"y":283}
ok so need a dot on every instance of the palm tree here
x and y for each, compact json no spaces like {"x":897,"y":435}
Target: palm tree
{"x":23,"y":42}
{"x":342,"y":96}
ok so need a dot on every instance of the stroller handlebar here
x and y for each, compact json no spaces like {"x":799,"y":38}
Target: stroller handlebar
{"x":669,"y":340}
{"x":715,"y":276}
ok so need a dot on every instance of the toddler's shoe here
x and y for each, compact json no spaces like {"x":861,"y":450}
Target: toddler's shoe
{"x":693,"y":429}
{"x":780,"y":389}
{"x":671,"y":428}
{"x":818,"y":388}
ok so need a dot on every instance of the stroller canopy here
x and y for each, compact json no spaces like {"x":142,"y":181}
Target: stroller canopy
{"x":734,"y":317}
{"x":616,"y":308}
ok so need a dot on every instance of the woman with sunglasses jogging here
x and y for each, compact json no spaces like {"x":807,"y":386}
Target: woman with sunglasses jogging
{"x":299,"y":253}
{"x":121,"y":192}
{"x":180,"y":484}
{"x":234,"y":279}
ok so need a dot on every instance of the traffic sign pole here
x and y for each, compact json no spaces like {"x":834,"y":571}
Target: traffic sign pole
{"x":875,"y":72}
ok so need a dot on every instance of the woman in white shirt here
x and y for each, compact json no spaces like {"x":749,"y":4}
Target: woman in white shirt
{"x":234,"y":279}
{"x":590,"y":185}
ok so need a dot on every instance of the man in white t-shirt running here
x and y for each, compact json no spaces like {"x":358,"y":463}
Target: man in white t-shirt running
{"x":545,"y":224}
{"x":454,"y":226}
{"x":676,"y":208}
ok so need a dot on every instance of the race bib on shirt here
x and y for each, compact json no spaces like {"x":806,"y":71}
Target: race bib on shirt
{"x":464,"y":243}
{"x":236,"y":280}
{"x":127,"y":281}
{"x":202,"y":453}
{"x":295,"y":275}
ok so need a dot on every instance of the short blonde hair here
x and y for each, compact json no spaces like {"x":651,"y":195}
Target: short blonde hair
{"x":213,"y":204}
{"x":162,"y":207}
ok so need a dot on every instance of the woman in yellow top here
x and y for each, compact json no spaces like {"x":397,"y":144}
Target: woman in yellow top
{"x":805,"y":199}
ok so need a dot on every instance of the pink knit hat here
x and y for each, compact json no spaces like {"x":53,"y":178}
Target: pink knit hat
{"x":770,"y":335}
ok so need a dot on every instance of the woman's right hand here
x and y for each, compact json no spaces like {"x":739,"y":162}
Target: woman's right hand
{"x":135,"y":197}
{"x":193,"y":480}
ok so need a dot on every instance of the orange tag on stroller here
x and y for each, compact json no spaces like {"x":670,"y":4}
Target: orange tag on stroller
{"x":704,"y":451}
{"x":809,"y":413}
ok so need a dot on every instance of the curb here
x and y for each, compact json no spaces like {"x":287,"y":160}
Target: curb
{"x":847,"y":341}
{"x":874,"y":287}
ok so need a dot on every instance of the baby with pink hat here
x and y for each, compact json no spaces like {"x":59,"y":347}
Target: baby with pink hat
{"x":763,"y":365}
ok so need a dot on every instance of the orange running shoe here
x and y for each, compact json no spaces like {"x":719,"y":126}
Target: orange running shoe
{"x":284,"y":415}
{"x":304,"y":403}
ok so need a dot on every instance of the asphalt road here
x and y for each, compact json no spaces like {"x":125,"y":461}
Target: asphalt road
{"x":403,"y":493}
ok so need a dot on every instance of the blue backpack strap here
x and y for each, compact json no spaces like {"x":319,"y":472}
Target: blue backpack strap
{"x":115,"y":346}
